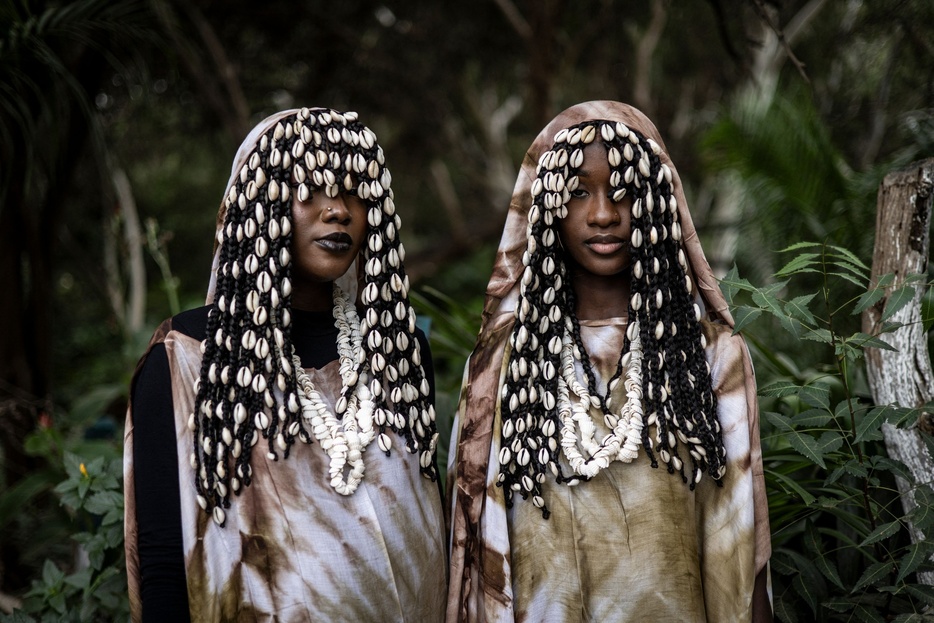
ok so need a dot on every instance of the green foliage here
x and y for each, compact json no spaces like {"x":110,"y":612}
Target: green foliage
{"x":453,"y":330}
{"x":86,"y":581}
{"x":841,"y":547}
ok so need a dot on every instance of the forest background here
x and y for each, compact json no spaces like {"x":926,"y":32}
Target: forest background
{"x":119,"y":120}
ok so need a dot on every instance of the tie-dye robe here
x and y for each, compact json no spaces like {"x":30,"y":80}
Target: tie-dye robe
{"x":634,"y":543}
{"x":293,"y":549}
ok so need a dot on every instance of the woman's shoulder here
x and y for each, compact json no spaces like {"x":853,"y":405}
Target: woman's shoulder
{"x":192,"y":323}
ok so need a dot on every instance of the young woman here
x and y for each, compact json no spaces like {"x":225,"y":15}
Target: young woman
{"x":606,"y":461}
{"x":279,"y":439}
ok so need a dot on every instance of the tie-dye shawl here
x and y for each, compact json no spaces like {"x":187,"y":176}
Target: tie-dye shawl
{"x":634,"y":543}
{"x":293,"y":549}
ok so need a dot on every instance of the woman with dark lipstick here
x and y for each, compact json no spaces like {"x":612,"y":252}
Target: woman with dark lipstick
{"x":280,"y":443}
{"x":606,"y":463}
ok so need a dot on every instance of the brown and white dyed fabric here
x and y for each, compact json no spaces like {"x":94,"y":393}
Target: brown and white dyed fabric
{"x":634,"y":543}
{"x":293,"y":549}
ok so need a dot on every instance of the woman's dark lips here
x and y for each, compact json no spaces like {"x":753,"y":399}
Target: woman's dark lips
{"x":604,"y":244}
{"x":337,"y":242}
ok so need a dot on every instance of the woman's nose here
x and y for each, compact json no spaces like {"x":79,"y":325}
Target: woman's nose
{"x":334,"y":209}
{"x":603,"y":212}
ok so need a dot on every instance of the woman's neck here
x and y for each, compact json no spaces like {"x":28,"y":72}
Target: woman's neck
{"x":313,"y":295}
{"x":598,"y":296}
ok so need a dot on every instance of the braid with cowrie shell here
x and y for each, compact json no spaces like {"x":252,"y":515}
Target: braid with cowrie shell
{"x":250,"y":385}
{"x":670,"y":409}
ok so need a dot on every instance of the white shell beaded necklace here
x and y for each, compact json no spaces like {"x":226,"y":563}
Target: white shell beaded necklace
{"x":587,"y":457}
{"x":343,"y":438}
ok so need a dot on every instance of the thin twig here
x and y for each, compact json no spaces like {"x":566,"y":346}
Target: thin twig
{"x":764,"y":14}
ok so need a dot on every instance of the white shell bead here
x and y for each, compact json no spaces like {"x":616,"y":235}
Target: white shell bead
{"x":588,"y":134}
{"x":644,"y":167}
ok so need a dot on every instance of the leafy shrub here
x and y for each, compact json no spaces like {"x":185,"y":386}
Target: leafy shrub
{"x":841,"y":547}
{"x":85,"y":581}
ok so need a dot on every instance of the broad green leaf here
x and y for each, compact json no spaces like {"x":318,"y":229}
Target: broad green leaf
{"x":848,"y":255}
{"x":785,"y":611}
{"x":782,"y":563}
{"x":885,"y":280}
{"x":811,"y":418}
{"x":867,"y":614}
{"x":792,"y":486}
{"x":806,"y":445}
{"x":864,"y":340}
{"x":830,"y":441}
{"x":854,"y":270}
{"x":80,"y":579}
{"x":903,"y":416}
{"x":816,"y":395}
{"x":913,"y":617}
{"x":917,"y":554}
{"x":780,"y":389}
{"x":733,"y":283}
{"x":779,"y":421}
{"x":793,"y":326}
{"x":872,"y":423}
{"x":801,"y":245}
{"x":867,"y":300}
{"x":854,"y":468}
{"x":57,"y":601}
{"x":858,"y":283}
{"x":809,"y":583}
{"x":51,"y":574}
{"x":819,"y":335}
{"x":743,"y":316}
{"x":766,"y":299}
{"x":923,"y":592}
{"x":898,"y":299}
{"x":835,"y":475}
{"x":838,"y":604}
{"x":894,"y":467}
{"x":922,"y":516}
{"x":874,"y":574}
{"x":798,"y":308}
{"x":812,"y":542}
{"x":889,"y":326}
{"x":882,"y":532}
{"x":807,"y":591}
{"x":805,"y":260}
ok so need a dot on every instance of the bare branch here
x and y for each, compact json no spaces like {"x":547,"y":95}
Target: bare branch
{"x":518,"y":23}
{"x":133,"y":239}
{"x":205,"y":78}
{"x":642,"y":90}
{"x":880,"y":103}
{"x":226,"y":70}
{"x":449,"y":200}
{"x":795,"y":26}
{"x":724,"y":33}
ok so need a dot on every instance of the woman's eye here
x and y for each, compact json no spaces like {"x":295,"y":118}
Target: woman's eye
{"x":579,"y":193}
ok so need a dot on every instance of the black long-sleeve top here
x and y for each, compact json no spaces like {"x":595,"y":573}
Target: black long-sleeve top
{"x":164,"y":591}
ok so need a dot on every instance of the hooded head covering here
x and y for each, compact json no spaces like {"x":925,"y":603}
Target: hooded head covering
{"x":248,"y":385}
{"x":507,"y":420}
{"x":508,"y":266}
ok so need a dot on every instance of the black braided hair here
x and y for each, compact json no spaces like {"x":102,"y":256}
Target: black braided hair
{"x":679,"y":405}
{"x":247,"y":388}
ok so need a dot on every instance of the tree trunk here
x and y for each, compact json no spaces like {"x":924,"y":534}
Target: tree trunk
{"x":903,"y":377}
